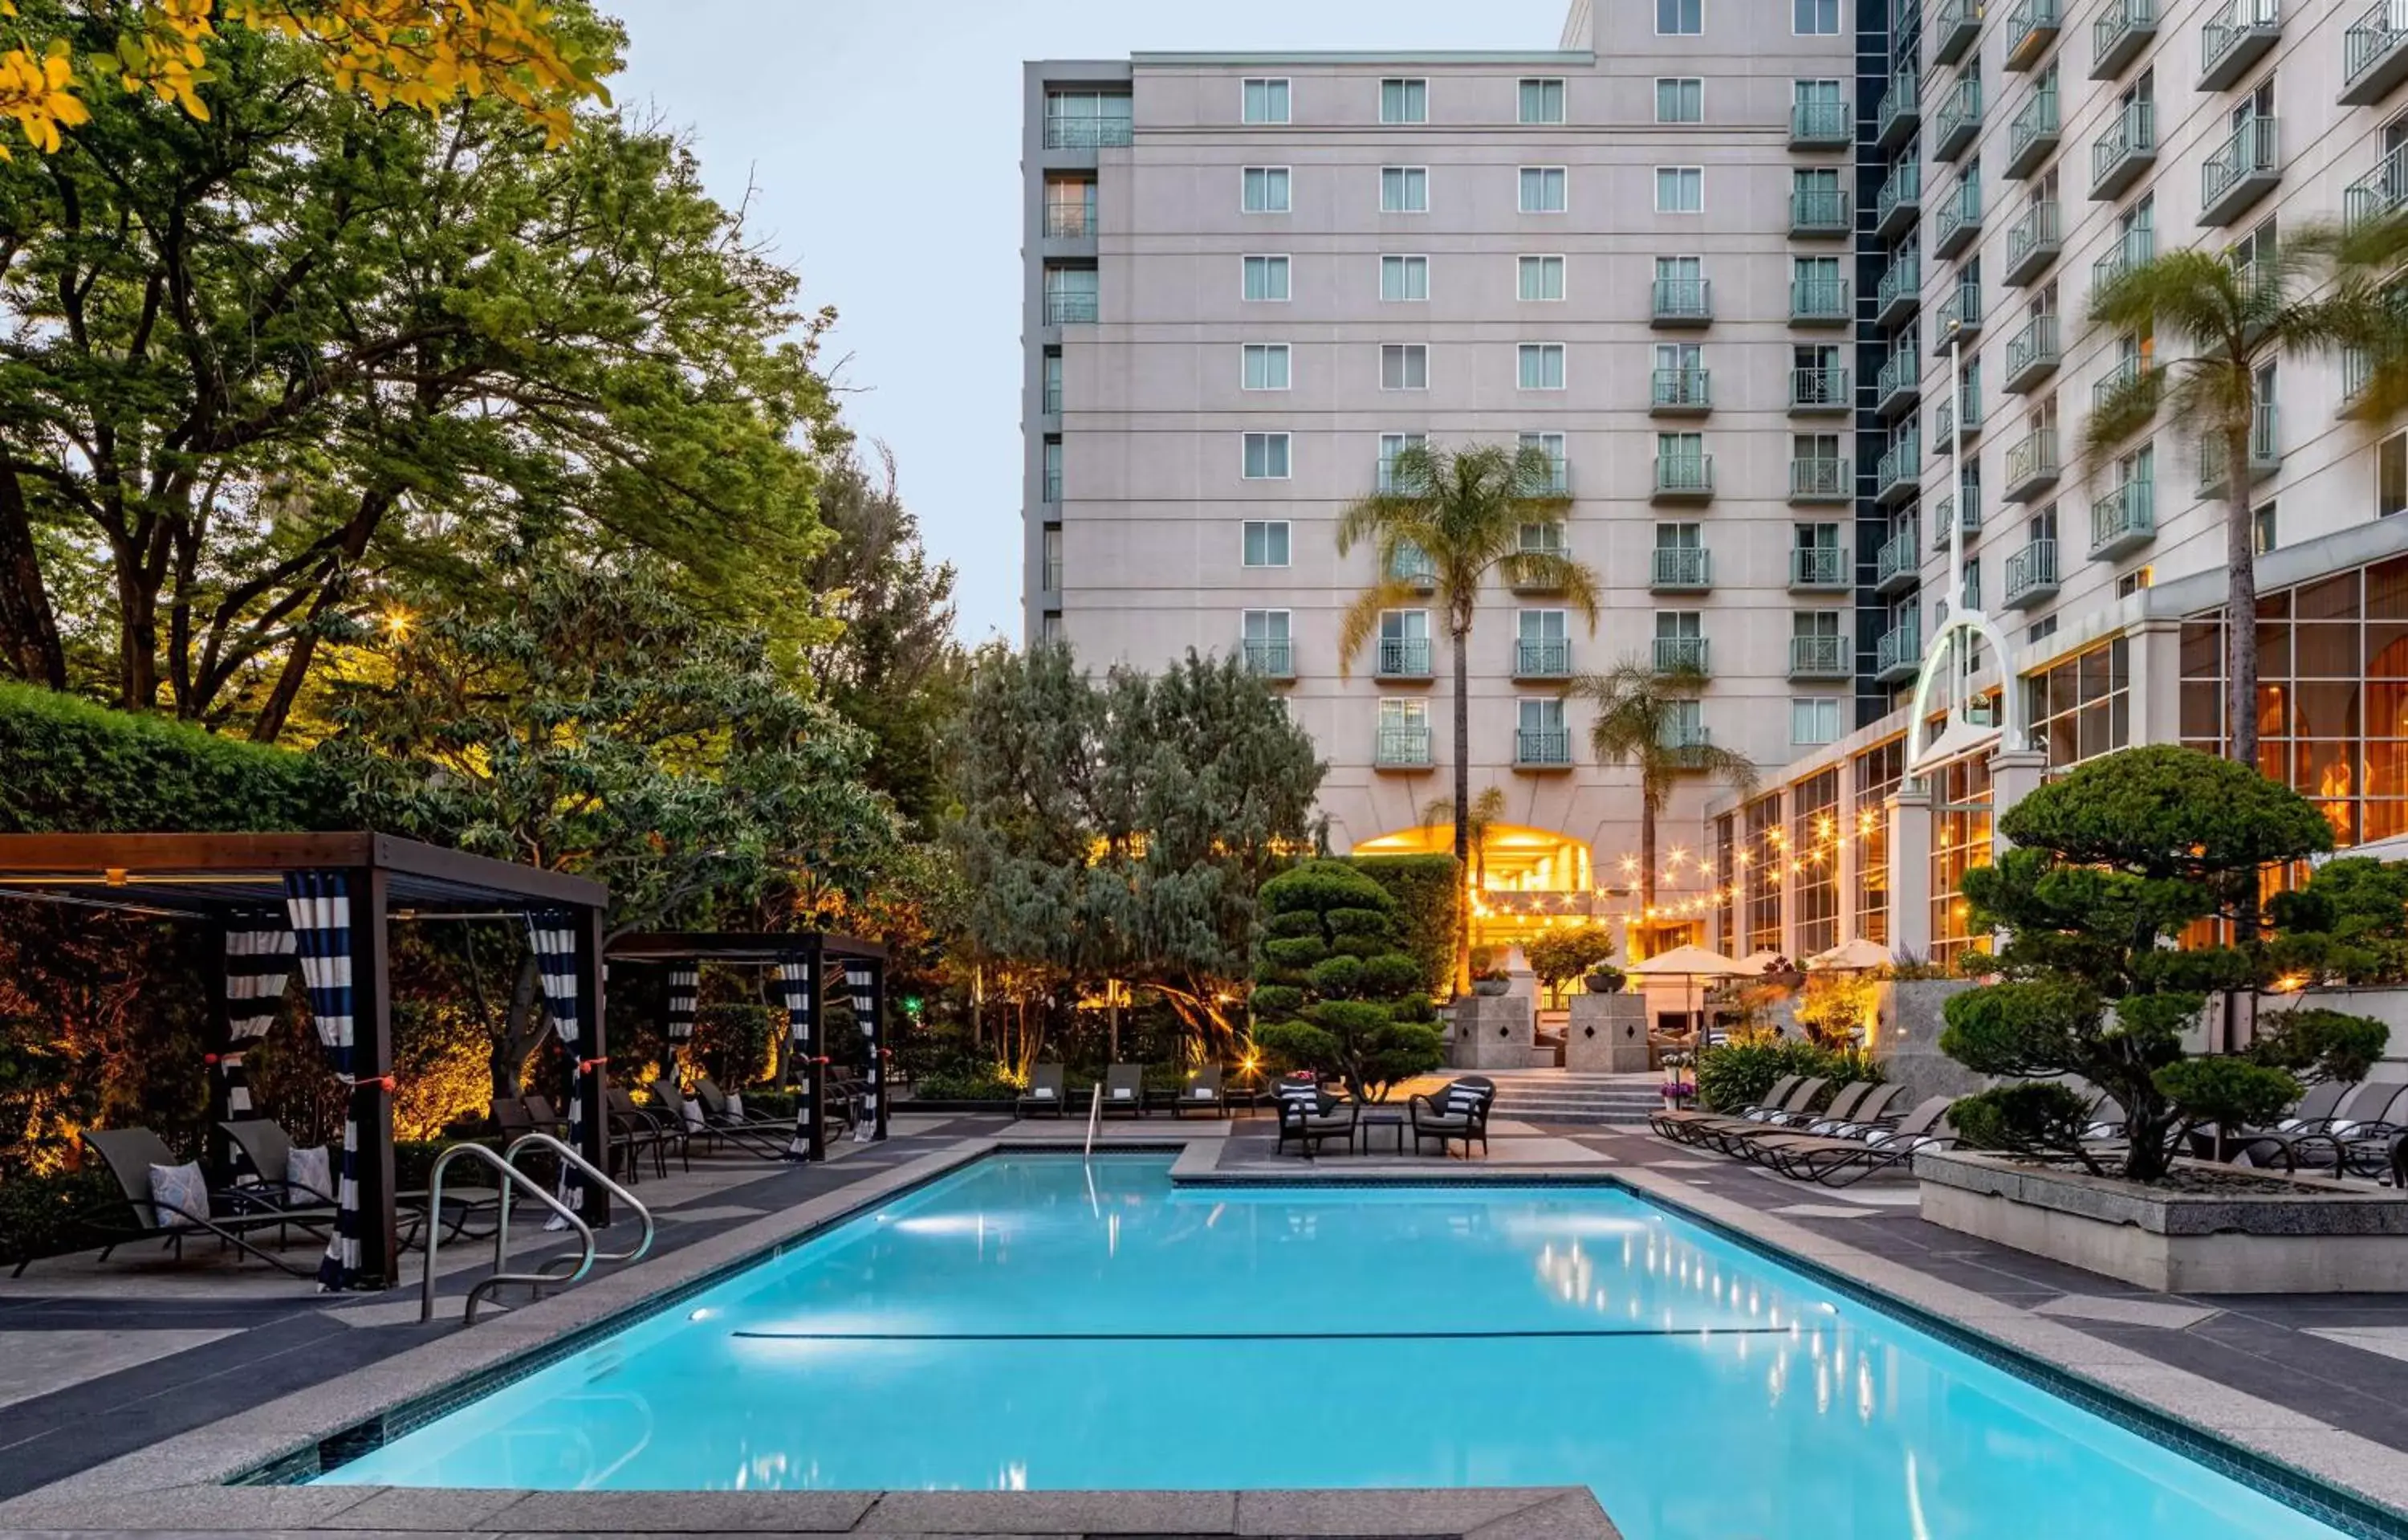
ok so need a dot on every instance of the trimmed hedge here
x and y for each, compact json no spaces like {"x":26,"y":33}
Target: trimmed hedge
{"x":1427,"y":889}
{"x":1738,"y":1074}
{"x":77,"y":767}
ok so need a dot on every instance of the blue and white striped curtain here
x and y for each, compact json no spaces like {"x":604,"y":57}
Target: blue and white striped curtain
{"x":319,"y":904}
{"x":861,"y":979}
{"x":553,"y":938}
{"x":795,"y":979}
{"x":258,"y":961}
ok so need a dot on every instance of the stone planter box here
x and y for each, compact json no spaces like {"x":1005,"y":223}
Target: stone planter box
{"x":1492,"y":1032}
{"x":1607,"y":1034}
{"x":2319,"y":1237}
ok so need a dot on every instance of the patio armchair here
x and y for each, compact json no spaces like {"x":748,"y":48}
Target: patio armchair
{"x":1458,"y":1110}
{"x":1047,"y":1093}
{"x":1125,"y":1090}
{"x":636,"y":1130}
{"x":1204,"y":1091}
{"x":1314,"y":1120}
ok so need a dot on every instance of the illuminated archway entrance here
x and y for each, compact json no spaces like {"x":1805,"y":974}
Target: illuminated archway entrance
{"x":1523,"y":881}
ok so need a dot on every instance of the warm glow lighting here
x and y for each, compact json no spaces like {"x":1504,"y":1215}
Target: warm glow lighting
{"x":397,"y":623}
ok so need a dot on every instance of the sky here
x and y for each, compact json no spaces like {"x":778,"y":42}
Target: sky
{"x":880,"y":140}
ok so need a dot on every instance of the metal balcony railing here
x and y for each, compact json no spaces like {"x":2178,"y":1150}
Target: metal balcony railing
{"x":2236,"y":35}
{"x":1681,"y":568}
{"x":1543,"y":746}
{"x":1901,"y":283}
{"x":1683,"y":299}
{"x":2031,"y":572}
{"x":1944,"y":416}
{"x":2131,"y":249}
{"x":1069,"y":220}
{"x":1087,"y":133}
{"x":1818,"y":210}
{"x":1543,"y":659}
{"x":1819,"y":389}
{"x":1069,"y":308}
{"x":1820,"y":657}
{"x":1959,"y":118}
{"x":2375,"y":53}
{"x":2381,"y":190}
{"x":1899,"y":560}
{"x":1410,"y":565}
{"x":1685,"y":475}
{"x":1959,"y":218}
{"x":2119,"y":34}
{"x":2032,"y":133}
{"x":2031,"y":26}
{"x":1900,"y":109}
{"x":2031,"y":352}
{"x":1962,"y":308}
{"x":2034,"y":241}
{"x":1681,"y":390}
{"x":1821,"y":479}
{"x":1404,"y":658}
{"x":1404,"y":747}
{"x":2123,"y":149}
{"x":1900,"y":653}
{"x":1819,"y":301}
{"x":1818,"y":567}
{"x":1901,"y":197}
{"x":2265,"y":452}
{"x":2242,"y":166}
{"x":2123,"y":516}
{"x":1902,"y":371}
{"x":1273,"y":657}
{"x":2032,"y":463}
{"x":1900,"y":467}
{"x":1820,"y":124}
{"x":1678,"y":652}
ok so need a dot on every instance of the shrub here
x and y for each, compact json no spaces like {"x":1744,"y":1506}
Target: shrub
{"x":2349,"y":923}
{"x":35,"y":1210}
{"x":1343,"y":999}
{"x":1427,"y":891}
{"x":1559,"y":957}
{"x":2029,"y":1117}
{"x":985,"y":1084}
{"x":77,"y":767}
{"x":2320,"y":1044}
{"x":1738,"y":1074}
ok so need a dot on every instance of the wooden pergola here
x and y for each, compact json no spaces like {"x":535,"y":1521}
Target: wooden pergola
{"x":217,"y":878}
{"x":812,"y":950}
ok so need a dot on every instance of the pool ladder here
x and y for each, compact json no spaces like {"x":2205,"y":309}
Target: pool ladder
{"x":1094,"y":1119}
{"x":508,"y":1177}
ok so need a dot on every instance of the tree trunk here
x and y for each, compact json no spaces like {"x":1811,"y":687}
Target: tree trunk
{"x":1462,"y":635}
{"x":523,"y":1030}
{"x":29,"y":632}
{"x":1648,"y":868}
{"x":2241,"y":630}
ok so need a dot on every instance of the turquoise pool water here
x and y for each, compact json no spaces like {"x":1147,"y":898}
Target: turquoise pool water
{"x":1039,"y":1323}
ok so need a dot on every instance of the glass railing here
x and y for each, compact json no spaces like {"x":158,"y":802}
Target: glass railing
{"x":1685,"y":473}
{"x":1069,"y":308}
{"x":2131,"y":249}
{"x":1819,"y":122}
{"x":1820,"y":657}
{"x":2034,"y":347}
{"x":1087,"y":133}
{"x":1818,"y":567}
{"x":1679,"y":389}
{"x":1543,"y":659}
{"x":1681,"y":567}
{"x":1818,"y":209}
{"x":1271,"y":658}
{"x":1404,"y":658}
{"x":2031,"y":569}
{"x":1819,"y":388}
{"x":1683,"y":299}
{"x":2371,"y":37}
{"x":1541,"y":746}
{"x":1820,"y":476}
{"x":2253,"y":150}
{"x":2381,"y":190}
{"x":2129,"y":134}
{"x":1818,"y":299}
{"x":1673,"y":654}
{"x":2122,"y":513}
{"x":1404,"y":746}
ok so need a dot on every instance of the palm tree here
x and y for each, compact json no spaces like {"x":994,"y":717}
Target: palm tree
{"x":1487,"y":811}
{"x":1465,"y":514}
{"x":2326,"y":289}
{"x":1635,"y":723}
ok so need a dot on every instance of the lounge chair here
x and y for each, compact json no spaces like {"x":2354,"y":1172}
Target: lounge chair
{"x":1695,"y":1128}
{"x":268,"y":1148}
{"x":1125,"y":1090}
{"x":1672,"y":1122}
{"x":2357,"y":1139}
{"x":1459,"y":1110}
{"x":1046,"y":1093}
{"x":130,"y":1154}
{"x":1849,"y":1116}
{"x":636,"y":1130}
{"x":1837,"y":1163}
{"x":1312,"y":1121}
{"x":1731,"y":1138}
{"x":767,"y":1137}
{"x":1203,"y":1091}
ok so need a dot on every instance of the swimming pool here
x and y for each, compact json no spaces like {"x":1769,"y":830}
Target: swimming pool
{"x":1041,"y":1323}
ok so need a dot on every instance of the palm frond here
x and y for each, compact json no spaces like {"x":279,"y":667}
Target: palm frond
{"x":1361,"y":620}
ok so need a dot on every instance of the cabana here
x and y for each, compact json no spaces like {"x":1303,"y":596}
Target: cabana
{"x":331,"y":899}
{"x":801,"y":959}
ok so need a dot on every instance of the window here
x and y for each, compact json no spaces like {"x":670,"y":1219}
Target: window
{"x":1759,"y":863}
{"x":2391,"y":475}
{"x":1069,"y":206}
{"x":2041,"y":629}
{"x":1815,"y":19}
{"x":1543,"y":739}
{"x":1265,"y":190}
{"x":1265,"y":366}
{"x":1265,"y":542}
{"x":1053,"y":470}
{"x":1680,"y":101}
{"x":1404,"y":190}
{"x":1404,"y":365}
{"x":1542,"y":190}
{"x":1680,"y":189}
{"x":1404,"y":732}
{"x":1541,"y":537}
{"x":2263,"y":535}
{"x":1052,"y":577}
{"x":1680,"y":17}
{"x":1048,"y":628}
{"x":2079,"y":707}
{"x":1878,"y":773}
{"x":1264,"y":643}
{"x":1391,"y":445}
{"x":1542,"y":101}
{"x":1404,"y":101}
{"x":2132,"y":582}
{"x":1404,"y":277}
{"x":1813,"y":719}
{"x":1542,"y":365}
{"x":1069,"y":295}
{"x":1266,"y":101}
{"x":1050,"y":384}
{"x":1539,"y":277}
{"x":1267,"y":278}
{"x":1266,"y":457}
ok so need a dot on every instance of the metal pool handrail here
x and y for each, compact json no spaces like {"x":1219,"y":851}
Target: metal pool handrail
{"x":544,"y":1141}
{"x":509,"y":1176}
{"x":1094,"y":1119}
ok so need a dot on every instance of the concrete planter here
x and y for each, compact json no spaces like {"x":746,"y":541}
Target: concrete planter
{"x":2318,"y":1237}
{"x":1906,"y":1039}
{"x":1607,"y":1034}
{"x":1492,"y":1032}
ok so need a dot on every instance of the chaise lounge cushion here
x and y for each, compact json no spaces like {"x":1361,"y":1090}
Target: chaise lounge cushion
{"x":179,"y":1190}
{"x":311,"y":1171}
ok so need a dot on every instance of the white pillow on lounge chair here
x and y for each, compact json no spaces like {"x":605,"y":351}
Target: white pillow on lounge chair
{"x":312,"y":1172}
{"x":691,"y":1109}
{"x":1040,"y":1093}
{"x":1121,"y":1093}
{"x":734,"y":1107}
{"x":182,"y":1186}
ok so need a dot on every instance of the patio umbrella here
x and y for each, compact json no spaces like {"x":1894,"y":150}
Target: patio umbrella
{"x":1690,"y":964}
{"x":1854,"y":957}
{"x":1761,"y":961}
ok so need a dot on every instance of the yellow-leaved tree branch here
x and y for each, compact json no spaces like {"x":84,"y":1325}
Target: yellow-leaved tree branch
{"x":412,"y":54}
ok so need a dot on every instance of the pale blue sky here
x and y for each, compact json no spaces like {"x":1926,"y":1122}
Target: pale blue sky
{"x":882,"y":138}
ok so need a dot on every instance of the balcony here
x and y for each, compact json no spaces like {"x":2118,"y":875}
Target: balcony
{"x":1051,"y":488}
{"x":1819,"y":211}
{"x":1683,"y":478}
{"x":2124,"y":519}
{"x":1818,"y":391}
{"x":2374,"y":54}
{"x":1817,"y":569}
{"x":1959,"y":219}
{"x":1958,"y":122}
{"x":1402,"y":748}
{"x":2031,"y":574}
{"x":1069,"y":222}
{"x":1680,"y":570}
{"x":1050,"y":575}
{"x":2131,"y":249}
{"x":2031,"y":137}
{"x":1411,"y":567}
{"x":1821,"y":657}
{"x":1556,"y":482}
{"x":2119,"y":34}
{"x":1387,"y":480}
{"x":1961,"y":312}
{"x":1899,"y":472}
{"x":2031,"y":26}
{"x":1900,"y":386}
{"x":1898,"y":566}
{"x":2265,"y":453}
{"x":1820,"y":125}
{"x":2127,"y":382}
{"x":1821,"y":479}
{"x":1819,"y":302}
{"x":1674,"y":653}
{"x":1068,"y":309}
{"x":2034,"y":241}
{"x":2235,"y":36}
{"x":1684,"y":739}
{"x":2031,"y":466}
{"x":2356,"y":374}
{"x":2123,"y":150}
{"x":1543,"y":659}
{"x":1683,"y":302}
{"x":1087,"y":133}
{"x":2031,"y":355}
{"x":1542,"y":749}
{"x":1403,"y":658}
{"x":1049,"y":399}
{"x":2240,"y":171}
{"x":2380,"y":193}
{"x":1943,"y":521}
{"x":1954,"y":24}
{"x":1270,"y":657}
{"x":1944,"y":416}
{"x":1680,"y":393}
{"x":1901,"y":112}
{"x":1899,"y":656}
{"x":1539,"y":582}
{"x":1900,"y":202}
{"x":1900,"y":291}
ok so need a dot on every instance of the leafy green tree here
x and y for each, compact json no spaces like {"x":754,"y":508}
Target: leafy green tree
{"x":1636,"y":707}
{"x":2348,"y":923}
{"x":1334,"y":991}
{"x":1466,"y":514}
{"x":1559,"y":957}
{"x":2110,"y":865}
{"x":1122,"y":828}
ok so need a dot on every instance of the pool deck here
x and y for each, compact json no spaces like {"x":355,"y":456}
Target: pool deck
{"x":131,"y":1390}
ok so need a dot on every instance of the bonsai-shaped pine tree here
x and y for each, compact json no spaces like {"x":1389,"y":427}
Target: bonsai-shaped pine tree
{"x":2110,"y":865}
{"x":1334,"y":991}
